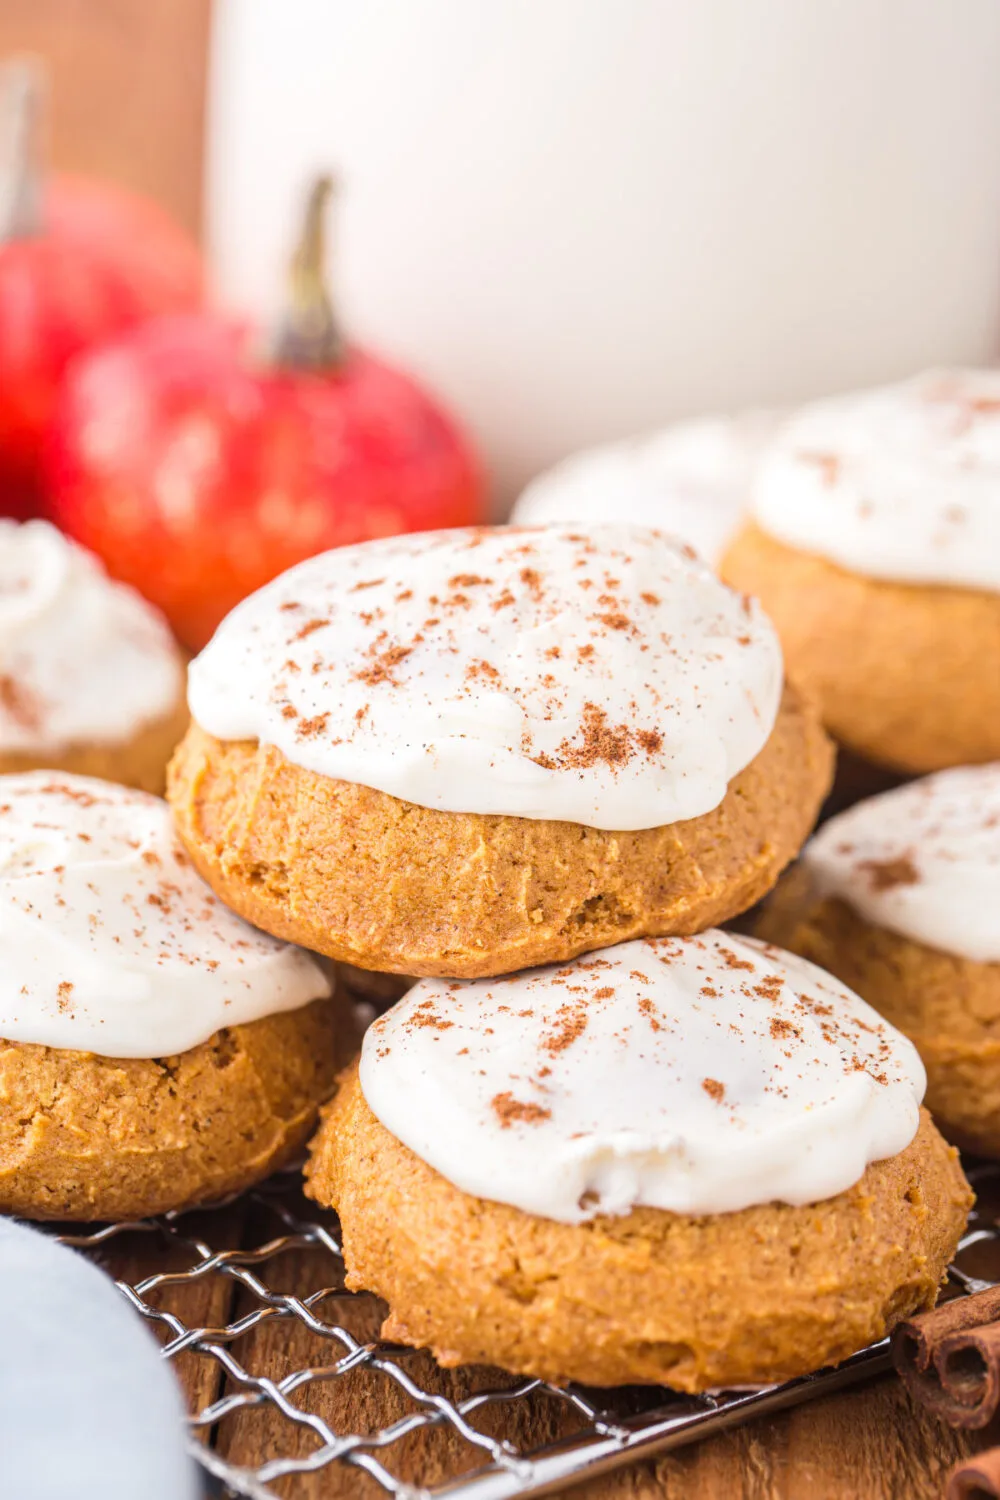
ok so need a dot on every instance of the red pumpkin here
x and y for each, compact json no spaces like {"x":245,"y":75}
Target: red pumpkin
{"x":79,"y":261}
{"x":199,"y":467}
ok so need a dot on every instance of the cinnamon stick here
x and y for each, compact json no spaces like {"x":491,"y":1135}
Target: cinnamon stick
{"x":975,"y":1478}
{"x":949,"y":1359}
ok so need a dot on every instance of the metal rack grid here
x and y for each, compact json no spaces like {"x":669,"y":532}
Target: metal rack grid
{"x":593,"y":1431}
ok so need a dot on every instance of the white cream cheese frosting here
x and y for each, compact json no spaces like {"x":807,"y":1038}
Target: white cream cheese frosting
{"x":601,"y":676}
{"x":900,"y":483}
{"x":922,"y":860}
{"x":112,"y":943}
{"x":692,"y":479}
{"x":82,"y":659}
{"x":700,"y":1075}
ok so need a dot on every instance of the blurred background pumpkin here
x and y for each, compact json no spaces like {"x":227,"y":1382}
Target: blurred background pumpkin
{"x":564,"y":220}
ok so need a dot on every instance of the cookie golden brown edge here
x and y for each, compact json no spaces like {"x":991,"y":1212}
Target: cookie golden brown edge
{"x":381,"y":883}
{"x":905,"y":675}
{"x":87,"y":1138}
{"x":649,"y":1297}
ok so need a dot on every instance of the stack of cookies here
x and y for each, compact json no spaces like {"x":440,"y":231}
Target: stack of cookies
{"x":874,"y":543}
{"x":523,"y":774}
{"x":531,"y":768}
{"x":157,"y":1051}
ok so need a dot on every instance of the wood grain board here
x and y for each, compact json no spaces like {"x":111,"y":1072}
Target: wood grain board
{"x":867,"y":1443}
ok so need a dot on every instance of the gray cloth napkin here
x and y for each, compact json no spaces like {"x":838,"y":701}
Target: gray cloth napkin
{"x":88,"y":1408}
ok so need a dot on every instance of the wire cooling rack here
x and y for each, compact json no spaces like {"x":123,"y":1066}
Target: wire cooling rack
{"x":250,"y":1302}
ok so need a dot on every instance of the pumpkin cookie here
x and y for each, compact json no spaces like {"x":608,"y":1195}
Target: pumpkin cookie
{"x":873,"y":547}
{"x":91,"y":681}
{"x":474,"y":751}
{"x":156,"y":1051}
{"x":558,"y":1172}
{"x":900,"y":897}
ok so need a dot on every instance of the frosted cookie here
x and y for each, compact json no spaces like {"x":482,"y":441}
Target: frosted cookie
{"x":691,"y":479}
{"x":91,"y":680}
{"x":692,"y":1161}
{"x":472,"y":751}
{"x":156,"y":1051}
{"x":875,"y":548}
{"x":900,"y":897}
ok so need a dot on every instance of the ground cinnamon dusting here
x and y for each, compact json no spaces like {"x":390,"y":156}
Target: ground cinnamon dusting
{"x":482,"y":669}
{"x":648,"y":1009}
{"x":510,"y":1110}
{"x":827,"y":463}
{"x":426,"y":1016}
{"x":74,"y":793}
{"x":568,"y":1023}
{"x":599,"y":741}
{"x":310,"y":729}
{"x":467,"y":581}
{"x":887,"y":874}
{"x":21,"y":705}
{"x":383,"y":663}
{"x":309,"y":627}
{"x":713,"y":1088}
{"x":532,"y":580}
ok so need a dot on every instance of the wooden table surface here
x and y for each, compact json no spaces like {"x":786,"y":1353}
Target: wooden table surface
{"x":870,"y":1442}
{"x":867,"y":1443}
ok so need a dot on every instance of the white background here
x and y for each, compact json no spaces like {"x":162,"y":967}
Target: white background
{"x":580,"y":218}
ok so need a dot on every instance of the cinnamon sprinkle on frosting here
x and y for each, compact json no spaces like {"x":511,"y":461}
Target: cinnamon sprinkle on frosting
{"x":590,"y":678}
{"x":922,"y":860}
{"x":886,"y":874}
{"x":668,"y":1083}
{"x":510,"y":1111}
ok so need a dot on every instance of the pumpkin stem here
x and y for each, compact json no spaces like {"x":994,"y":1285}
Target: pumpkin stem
{"x":308,"y":336}
{"x":22,"y":91}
